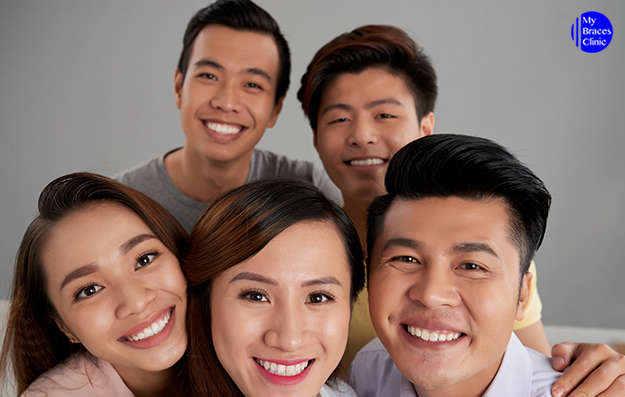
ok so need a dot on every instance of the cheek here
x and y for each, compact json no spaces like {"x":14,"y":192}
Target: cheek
{"x":385,"y":292}
{"x":489,"y":303}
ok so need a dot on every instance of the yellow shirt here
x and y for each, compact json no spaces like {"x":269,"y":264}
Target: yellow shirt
{"x":361,"y":329}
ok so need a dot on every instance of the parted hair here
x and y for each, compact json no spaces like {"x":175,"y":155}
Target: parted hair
{"x":233,"y":229}
{"x":33,"y":342}
{"x":243,"y":15}
{"x":469,"y":167}
{"x":371,"y":46}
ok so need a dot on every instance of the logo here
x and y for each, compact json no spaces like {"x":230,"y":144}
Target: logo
{"x":592,"y":32}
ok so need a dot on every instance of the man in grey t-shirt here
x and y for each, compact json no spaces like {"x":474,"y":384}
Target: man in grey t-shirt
{"x":230,"y":83}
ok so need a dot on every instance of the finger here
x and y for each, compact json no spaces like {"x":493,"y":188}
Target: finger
{"x":561,"y":355}
{"x":587,"y":359}
{"x":607,"y":378}
{"x":617,"y":389}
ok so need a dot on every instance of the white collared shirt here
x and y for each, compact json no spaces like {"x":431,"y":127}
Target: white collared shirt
{"x":523,"y":373}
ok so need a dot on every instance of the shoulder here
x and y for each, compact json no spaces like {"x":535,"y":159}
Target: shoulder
{"x":148,"y":169}
{"x":373,"y":372}
{"x":79,"y":375}
{"x":266,"y":164}
{"x":543,"y":374}
{"x":337,"y":388}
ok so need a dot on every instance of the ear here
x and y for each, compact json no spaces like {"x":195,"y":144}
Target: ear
{"x":427,"y":125}
{"x":275,"y":112}
{"x":178,"y":88}
{"x":66,"y":330}
{"x":524,"y":296}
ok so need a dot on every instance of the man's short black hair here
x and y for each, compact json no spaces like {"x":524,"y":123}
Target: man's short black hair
{"x":451,"y":165}
{"x":239,"y":15}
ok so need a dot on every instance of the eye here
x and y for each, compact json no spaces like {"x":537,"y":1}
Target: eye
{"x":405,"y":258}
{"x":254,"y":296}
{"x":339,"y":120}
{"x":385,"y":116}
{"x":207,"y":76}
{"x":145,"y":259}
{"x":471,"y":266}
{"x":320,"y":297}
{"x":87,"y":291}
{"x":253,"y":85}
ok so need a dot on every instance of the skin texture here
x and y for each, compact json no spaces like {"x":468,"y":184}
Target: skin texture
{"x":288,"y":304}
{"x":130,"y":279}
{"x":230,"y":84}
{"x":446,"y":265}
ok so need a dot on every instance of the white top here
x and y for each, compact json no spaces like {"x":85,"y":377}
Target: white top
{"x":523,"y":373}
{"x":338,"y":388}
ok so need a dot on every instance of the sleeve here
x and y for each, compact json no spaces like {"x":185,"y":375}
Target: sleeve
{"x":533,"y":311}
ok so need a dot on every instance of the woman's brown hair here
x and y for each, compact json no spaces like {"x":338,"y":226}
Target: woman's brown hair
{"x":233,"y":229}
{"x":33,"y":342}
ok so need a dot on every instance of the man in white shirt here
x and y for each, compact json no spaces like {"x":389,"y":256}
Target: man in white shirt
{"x":449,"y":247}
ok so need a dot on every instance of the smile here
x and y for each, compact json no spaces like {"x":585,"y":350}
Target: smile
{"x":283,"y":370}
{"x":152,"y":329}
{"x":432,"y":336}
{"x":224,"y":129}
{"x":371,"y":161}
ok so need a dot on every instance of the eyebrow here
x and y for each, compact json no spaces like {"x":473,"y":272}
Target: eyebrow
{"x":93,"y":267}
{"x":401,"y":242}
{"x":252,"y":277}
{"x":253,"y":71}
{"x":322,"y":280}
{"x":474,"y":247}
{"x":370,"y":105}
{"x":261,"y":279}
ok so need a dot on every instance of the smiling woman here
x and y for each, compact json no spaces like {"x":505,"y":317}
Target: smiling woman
{"x":99,"y":299}
{"x":273,"y":270}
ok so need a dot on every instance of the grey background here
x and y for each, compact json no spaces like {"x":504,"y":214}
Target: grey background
{"x":88,"y":85}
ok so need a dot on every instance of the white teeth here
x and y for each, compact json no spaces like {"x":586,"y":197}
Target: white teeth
{"x":367,"y":162}
{"x":431,"y":336}
{"x":224,"y":128}
{"x":152,"y":329}
{"x":282,"y":370}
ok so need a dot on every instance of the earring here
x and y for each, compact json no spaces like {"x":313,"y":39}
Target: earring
{"x":72,"y":340}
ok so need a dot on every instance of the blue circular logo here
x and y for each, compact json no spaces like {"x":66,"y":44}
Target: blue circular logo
{"x":592,"y":32}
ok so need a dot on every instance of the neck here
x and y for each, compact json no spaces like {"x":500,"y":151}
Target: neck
{"x":356,"y":209}
{"x":475,"y":386}
{"x":150,"y":383}
{"x":202,"y":179}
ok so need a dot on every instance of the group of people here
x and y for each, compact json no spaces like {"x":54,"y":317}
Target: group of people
{"x":218,"y":269}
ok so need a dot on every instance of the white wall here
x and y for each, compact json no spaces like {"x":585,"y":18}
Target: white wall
{"x":88,"y":85}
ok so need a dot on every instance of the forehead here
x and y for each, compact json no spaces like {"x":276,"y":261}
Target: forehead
{"x":368,"y":85}
{"x":442,"y":223}
{"x":236,"y":49}
{"x":306,"y":250}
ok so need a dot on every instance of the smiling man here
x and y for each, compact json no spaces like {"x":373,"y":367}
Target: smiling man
{"x":231,"y":79}
{"x":449,"y":250}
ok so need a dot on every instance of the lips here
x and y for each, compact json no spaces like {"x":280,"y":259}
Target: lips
{"x":432,"y":335}
{"x":283,"y":370}
{"x":367,"y":161}
{"x":152,"y":329}
{"x":223,"y":128}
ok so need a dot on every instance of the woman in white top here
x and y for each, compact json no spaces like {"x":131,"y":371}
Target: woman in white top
{"x":98,"y":302}
{"x":273,"y":270}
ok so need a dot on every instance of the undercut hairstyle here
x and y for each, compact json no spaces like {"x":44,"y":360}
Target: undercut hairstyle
{"x":233,"y":229}
{"x":242,"y":15}
{"x":33,"y":342}
{"x":473,"y":168}
{"x":371,"y":46}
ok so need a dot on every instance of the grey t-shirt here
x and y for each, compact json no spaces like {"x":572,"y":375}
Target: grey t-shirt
{"x":151,"y":178}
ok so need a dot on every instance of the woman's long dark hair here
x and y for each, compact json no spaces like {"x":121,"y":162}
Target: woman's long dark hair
{"x":33,"y":342}
{"x":233,"y":229}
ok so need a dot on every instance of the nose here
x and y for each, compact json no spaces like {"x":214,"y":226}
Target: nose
{"x":435,"y":287}
{"x":133,"y":298}
{"x":289,"y":330}
{"x":362,"y":133}
{"x":227,"y":98}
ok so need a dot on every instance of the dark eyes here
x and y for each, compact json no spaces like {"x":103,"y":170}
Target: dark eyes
{"x":253,"y":85}
{"x":340,"y":120}
{"x":145,"y":259}
{"x":385,"y":116}
{"x":405,"y":258}
{"x":320,"y":297}
{"x":87,"y":291}
{"x":471,"y":266}
{"x":254,"y":296}
{"x":261,"y":296}
{"x":207,"y":76}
